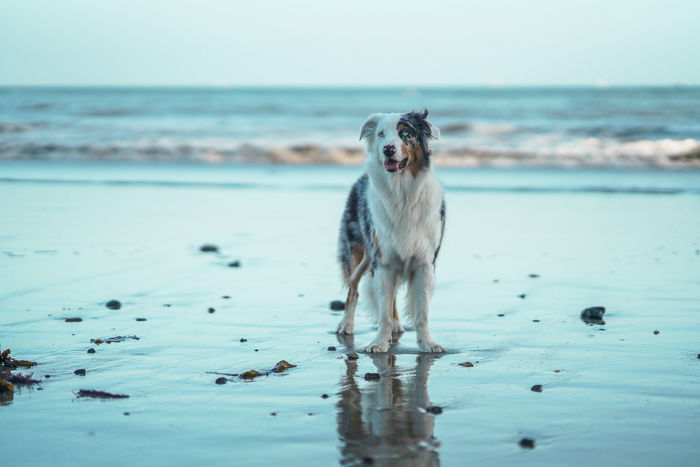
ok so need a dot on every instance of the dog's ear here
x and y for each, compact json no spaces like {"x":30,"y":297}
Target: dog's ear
{"x":369,"y":126}
{"x":434,"y":131}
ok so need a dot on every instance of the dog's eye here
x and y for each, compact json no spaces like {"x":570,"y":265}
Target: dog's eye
{"x":380,"y":134}
{"x":404,"y":133}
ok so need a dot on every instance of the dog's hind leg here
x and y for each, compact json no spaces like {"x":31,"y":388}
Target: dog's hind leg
{"x":396,"y":328}
{"x":356,"y":268}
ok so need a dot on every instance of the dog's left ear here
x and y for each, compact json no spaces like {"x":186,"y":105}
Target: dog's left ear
{"x":434,"y":131}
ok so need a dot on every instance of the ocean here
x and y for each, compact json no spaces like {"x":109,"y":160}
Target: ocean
{"x":585,"y":126}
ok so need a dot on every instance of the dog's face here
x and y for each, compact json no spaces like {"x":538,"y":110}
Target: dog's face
{"x":399,"y":141}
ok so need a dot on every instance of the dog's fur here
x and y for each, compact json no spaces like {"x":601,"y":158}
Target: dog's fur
{"x":392,"y":227}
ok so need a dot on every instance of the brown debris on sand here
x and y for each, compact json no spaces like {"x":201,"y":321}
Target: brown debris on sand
{"x":467,"y":364}
{"x":249,"y":375}
{"x":73,"y":320}
{"x":113,"y":304}
{"x":281,"y":366}
{"x":100,"y":394}
{"x":7,"y":391}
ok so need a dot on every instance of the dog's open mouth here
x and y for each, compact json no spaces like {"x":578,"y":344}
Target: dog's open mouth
{"x":392,"y":165}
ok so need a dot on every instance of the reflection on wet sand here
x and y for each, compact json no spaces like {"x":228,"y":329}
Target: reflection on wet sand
{"x":384,"y":422}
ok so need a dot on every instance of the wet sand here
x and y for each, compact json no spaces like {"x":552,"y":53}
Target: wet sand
{"x":612,"y":394}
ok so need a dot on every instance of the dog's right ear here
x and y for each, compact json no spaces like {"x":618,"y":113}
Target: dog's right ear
{"x":369,"y":127}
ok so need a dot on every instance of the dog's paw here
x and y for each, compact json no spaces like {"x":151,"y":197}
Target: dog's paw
{"x":345,"y":327}
{"x":377,"y":347}
{"x":430,"y":346}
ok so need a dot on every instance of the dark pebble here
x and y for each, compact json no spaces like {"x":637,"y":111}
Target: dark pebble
{"x":208,"y":248}
{"x":126,"y":414}
{"x":536,"y":388}
{"x":167,"y":305}
{"x":80,"y":372}
{"x":656,"y":332}
{"x":527,"y":443}
{"x":496,"y":281}
{"x":533,"y":276}
{"x":226,"y":297}
{"x":221,"y":380}
{"x":372,"y":376}
{"x":331,"y":348}
{"x":234,"y":264}
{"x":522,"y":295}
{"x":535,"y":320}
{"x":113,"y":304}
{"x":47,"y":376}
{"x":434,"y":409}
{"x":274,"y":414}
{"x":211,"y":310}
{"x":73,"y":320}
{"x":501,"y":315}
{"x":244,"y":340}
{"x":91,"y":351}
{"x":593,"y":315}
{"x":257,"y":350}
{"x":699,"y":355}
{"x":354,"y":356}
{"x":325,"y":396}
{"x":337,"y":305}
{"x":140,"y":319}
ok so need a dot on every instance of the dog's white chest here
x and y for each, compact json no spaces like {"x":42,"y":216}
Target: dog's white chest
{"x":407,"y":219}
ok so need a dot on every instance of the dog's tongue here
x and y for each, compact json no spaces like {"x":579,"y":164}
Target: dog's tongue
{"x":391,"y":165}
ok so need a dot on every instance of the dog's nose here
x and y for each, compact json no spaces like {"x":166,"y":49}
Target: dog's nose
{"x":389,"y":150}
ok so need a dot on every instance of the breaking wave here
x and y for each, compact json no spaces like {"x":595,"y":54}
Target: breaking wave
{"x":587,"y":152}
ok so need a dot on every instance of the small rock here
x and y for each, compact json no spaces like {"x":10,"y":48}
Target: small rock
{"x":325,"y":396}
{"x":372,"y":376}
{"x":211,"y":310}
{"x":234,"y":264}
{"x":225,"y":297}
{"x":140,"y":319}
{"x":527,"y":443}
{"x":80,"y":372}
{"x":354,"y":356}
{"x":250,"y":374}
{"x":536,"y":388}
{"x":434,"y":409}
{"x":467,"y":364}
{"x":244,"y":340}
{"x":282,"y":365}
{"x":496,"y":281}
{"x":73,"y":320}
{"x":91,"y":351}
{"x":209,"y":248}
{"x":535,"y":320}
{"x":557,"y":371}
{"x":533,"y":276}
{"x":113,"y":304}
{"x":274,"y":414}
{"x":47,"y":376}
{"x":522,"y":295}
{"x":331,"y":348}
{"x":501,"y":315}
{"x":221,"y":380}
{"x":337,"y":305}
{"x":656,"y":332}
{"x":593,"y":315}
{"x":127,"y":414}
{"x":699,"y":355}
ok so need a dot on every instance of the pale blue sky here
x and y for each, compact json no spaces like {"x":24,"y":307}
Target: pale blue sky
{"x":360,"y":43}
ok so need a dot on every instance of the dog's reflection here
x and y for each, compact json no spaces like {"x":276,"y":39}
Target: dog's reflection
{"x":384,"y":422}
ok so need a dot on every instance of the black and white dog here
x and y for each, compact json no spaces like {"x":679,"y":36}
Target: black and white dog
{"x":393,"y":225}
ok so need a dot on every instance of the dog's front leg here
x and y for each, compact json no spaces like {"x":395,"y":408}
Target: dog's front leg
{"x":420,"y":290}
{"x":384,"y":283}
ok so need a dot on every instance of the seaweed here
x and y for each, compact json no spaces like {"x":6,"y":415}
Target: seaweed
{"x":100,"y":394}
{"x":9,"y":362}
{"x":110,"y":340}
{"x":249,"y":375}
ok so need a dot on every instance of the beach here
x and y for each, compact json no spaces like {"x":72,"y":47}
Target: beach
{"x":526,"y":251}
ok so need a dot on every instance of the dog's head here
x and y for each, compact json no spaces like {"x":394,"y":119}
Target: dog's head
{"x":399,"y":141}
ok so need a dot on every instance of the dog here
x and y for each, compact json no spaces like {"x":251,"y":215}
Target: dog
{"x":392,"y":227}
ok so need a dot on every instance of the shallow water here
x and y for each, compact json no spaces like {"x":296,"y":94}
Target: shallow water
{"x":74,"y":236}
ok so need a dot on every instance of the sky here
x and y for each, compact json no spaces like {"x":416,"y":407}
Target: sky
{"x":349,"y":43}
